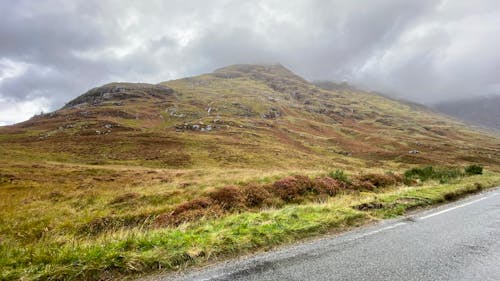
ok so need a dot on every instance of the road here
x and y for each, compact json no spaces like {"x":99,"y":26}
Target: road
{"x":458,"y":241}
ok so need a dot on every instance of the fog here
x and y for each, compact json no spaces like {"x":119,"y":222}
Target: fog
{"x":424,"y":51}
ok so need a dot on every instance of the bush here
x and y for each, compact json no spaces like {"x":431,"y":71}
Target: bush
{"x":339,"y":175}
{"x":378,"y":180}
{"x":423,"y":174}
{"x":195,"y":204}
{"x":362,"y":185}
{"x":474,"y":170}
{"x":228,"y":197}
{"x":431,"y":173}
{"x":255,"y":195}
{"x":189,"y":211}
{"x":291,"y":188}
{"x":448,"y":174}
{"x":327,"y":185}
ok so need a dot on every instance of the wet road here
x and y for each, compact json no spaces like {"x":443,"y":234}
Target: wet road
{"x":458,"y":241}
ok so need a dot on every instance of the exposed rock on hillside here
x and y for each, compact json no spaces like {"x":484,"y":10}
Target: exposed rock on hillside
{"x":119,"y":91}
{"x":277,"y":77}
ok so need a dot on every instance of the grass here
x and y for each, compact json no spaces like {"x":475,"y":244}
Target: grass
{"x":52,"y":252}
{"x":399,"y":202}
{"x":474,"y":169}
{"x":138,"y":252}
{"x":339,"y":175}
{"x":444,"y":175}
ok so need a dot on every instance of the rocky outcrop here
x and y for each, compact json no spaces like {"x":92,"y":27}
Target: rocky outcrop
{"x":120,"y":91}
{"x":272,"y":113}
{"x":275,"y":77}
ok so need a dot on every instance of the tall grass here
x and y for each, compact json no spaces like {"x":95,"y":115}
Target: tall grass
{"x":144,"y":251}
{"x":443,"y":175}
{"x":474,"y":169}
{"x":56,"y":252}
{"x":340,"y":176}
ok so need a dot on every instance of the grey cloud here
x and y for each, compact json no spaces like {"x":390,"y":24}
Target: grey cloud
{"x":420,"y":50}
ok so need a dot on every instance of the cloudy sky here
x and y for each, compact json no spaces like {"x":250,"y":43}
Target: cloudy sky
{"x":422,"y":50}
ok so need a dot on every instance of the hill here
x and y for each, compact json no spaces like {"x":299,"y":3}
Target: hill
{"x":131,"y":178}
{"x":239,"y":116}
{"x":482,"y":111}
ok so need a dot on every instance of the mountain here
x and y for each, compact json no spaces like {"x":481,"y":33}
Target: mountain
{"x":245,"y":116}
{"x":481,"y":111}
{"x":131,"y":178}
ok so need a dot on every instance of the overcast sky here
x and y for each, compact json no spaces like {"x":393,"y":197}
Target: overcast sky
{"x":423,"y":50}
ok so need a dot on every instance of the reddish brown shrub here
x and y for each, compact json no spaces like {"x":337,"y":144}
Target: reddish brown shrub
{"x":362,"y":185}
{"x":195,"y":204}
{"x":378,"y":180}
{"x":255,"y":195}
{"x":397,"y":177}
{"x":228,"y":197}
{"x":292,"y":187}
{"x":191,"y":215}
{"x":327,"y":185}
{"x":189,"y":211}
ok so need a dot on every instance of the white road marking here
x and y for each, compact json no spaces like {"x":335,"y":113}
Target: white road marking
{"x":377,"y":231}
{"x":384,"y":229}
{"x":225,"y":274}
{"x":456,"y":207}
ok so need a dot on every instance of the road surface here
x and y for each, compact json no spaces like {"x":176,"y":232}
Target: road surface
{"x":458,"y":241}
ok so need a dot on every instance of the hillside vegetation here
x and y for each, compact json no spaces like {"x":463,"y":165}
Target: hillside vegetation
{"x":131,"y":178}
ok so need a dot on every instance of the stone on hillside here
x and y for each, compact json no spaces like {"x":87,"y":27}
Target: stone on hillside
{"x":272,"y":113}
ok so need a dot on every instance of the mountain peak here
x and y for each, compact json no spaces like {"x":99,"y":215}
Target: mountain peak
{"x":257,"y":71}
{"x":248,"y":68}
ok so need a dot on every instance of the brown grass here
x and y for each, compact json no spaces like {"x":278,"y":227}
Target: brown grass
{"x":125,"y":198}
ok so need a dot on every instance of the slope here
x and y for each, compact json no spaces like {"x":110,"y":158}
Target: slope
{"x":129,"y":178}
{"x":242,"y":116}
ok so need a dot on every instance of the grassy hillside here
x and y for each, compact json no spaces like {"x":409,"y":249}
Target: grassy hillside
{"x":239,"y":116}
{"x":129,"y":178}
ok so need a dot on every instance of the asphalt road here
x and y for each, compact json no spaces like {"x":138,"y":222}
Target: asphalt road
{"x":459,"y":241}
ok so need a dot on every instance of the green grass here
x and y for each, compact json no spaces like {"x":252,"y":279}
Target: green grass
{"x":339,"y":175}
{"x":399,"y":202}
{"x":443,"y":174}
{"x":137,"y":251}
{"x":474,"y":169}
